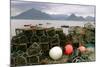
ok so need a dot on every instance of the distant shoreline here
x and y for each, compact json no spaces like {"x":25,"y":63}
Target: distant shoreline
{"x":54,"y":20}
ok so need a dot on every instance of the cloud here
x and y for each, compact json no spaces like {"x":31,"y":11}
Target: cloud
{"x":18,"y":7}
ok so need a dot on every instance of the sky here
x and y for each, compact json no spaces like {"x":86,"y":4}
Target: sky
{"x":17,"y":7}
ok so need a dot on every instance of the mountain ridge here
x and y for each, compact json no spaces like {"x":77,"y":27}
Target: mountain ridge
{"x":39,"y":15}
{"x":32,"y":14}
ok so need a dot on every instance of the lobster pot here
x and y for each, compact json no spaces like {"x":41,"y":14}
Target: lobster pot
{"x":32,"y":60}
{"x":28,"y":33}
{"x":19,"y":39}
{"x":40,"y":31}
{"x":34,"y":49}
{"x":44,"y":38}
{"x":19,"y":31}
{"x":63,"y":39}
{"x":54,"y":41}
{"x":23,"y":47}
{"x":20,"y":61}
{"x":14,"y":48}
{"x":17,"y":47}
{"x":51,"y":32}
{"x":34,"y":38}
{"x":44,"y":46}
{"x":59,"y":31}
{"x":15,"y":40}
{"x":62,"y":36}
{"x":23,"y":39}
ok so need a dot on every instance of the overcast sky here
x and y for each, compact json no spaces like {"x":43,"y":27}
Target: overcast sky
{"x":18,"y":7}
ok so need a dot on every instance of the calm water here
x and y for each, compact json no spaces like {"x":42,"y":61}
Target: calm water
{"x":53,"y":23}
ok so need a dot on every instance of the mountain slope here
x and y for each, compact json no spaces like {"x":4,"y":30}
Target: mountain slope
{"x":32,"y":14}
{"x":75,"y":18}
{"x":90,"y":18}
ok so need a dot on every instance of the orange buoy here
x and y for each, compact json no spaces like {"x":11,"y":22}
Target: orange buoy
{"x":82,"y":49}
{"x":68,"y":49}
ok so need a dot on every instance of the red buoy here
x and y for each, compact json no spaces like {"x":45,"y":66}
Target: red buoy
{"x":68,"y":49}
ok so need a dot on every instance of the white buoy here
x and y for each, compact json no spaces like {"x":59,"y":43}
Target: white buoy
{"x":55,"y":53}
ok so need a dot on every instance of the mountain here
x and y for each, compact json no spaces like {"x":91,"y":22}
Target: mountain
{"x":75,"y":18}
{"x":39,"y":15}
{"x":32,"y":14}
{"x":89,"y":18}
